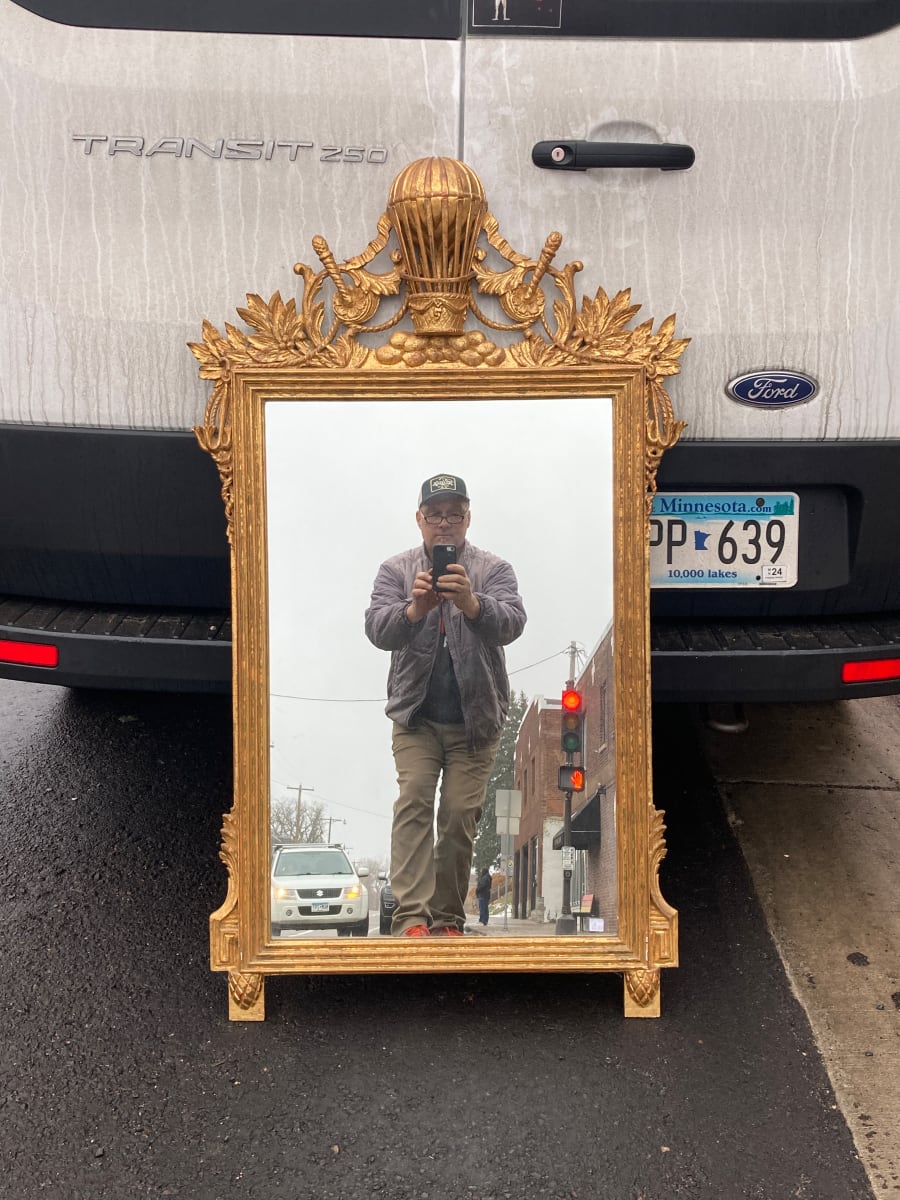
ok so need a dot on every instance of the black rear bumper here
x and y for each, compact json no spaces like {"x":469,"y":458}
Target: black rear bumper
{"x":692,"y":661}
{"x":120,"y":647}
{"x":769,"y":661}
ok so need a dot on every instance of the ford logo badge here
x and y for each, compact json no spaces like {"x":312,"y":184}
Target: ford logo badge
{"x":772,"y":389}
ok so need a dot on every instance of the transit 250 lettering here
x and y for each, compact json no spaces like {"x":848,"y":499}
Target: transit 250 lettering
{"x":239,"y":149}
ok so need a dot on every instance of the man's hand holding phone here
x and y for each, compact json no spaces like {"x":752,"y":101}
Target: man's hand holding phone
{"x":450,"y":580}
{"x":446,"y":579}
{"x":424,"y":598}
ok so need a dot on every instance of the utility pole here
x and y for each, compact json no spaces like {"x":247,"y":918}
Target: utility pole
{"x":508,"y":809}
{"x":573,"y":653}
{"x":297,"y":826}
{"x":336,"y":821}
{"x":572,"y":743}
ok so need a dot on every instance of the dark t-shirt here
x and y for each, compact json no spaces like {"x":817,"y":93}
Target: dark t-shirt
{"x":442,"y":700}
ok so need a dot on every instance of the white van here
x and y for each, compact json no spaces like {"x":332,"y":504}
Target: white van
{"x":152,"y":173}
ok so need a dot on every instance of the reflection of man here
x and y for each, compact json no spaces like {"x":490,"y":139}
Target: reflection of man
{"x":483,"y":894}
{"x":448,"y":694}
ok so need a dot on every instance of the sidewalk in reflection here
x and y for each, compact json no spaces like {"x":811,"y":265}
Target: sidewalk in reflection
{"x":516,"y":927}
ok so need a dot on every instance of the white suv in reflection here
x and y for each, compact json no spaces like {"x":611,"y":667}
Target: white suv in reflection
{"x":317,"y":887}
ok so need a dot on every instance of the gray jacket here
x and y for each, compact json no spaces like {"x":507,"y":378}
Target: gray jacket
{"x":476,"y":647}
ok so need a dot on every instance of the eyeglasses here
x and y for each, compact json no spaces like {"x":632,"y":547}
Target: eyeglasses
{"x":455,"y":518}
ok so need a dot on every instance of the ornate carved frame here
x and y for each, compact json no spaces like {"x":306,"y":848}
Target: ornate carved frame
{"x":333,"y":347}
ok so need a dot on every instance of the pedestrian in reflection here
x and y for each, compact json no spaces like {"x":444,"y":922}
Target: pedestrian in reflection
{"x":448,"y":695}
{"x":483,"y":894}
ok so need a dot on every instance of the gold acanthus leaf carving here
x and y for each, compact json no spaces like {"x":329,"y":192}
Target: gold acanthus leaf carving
{"x":224,"y":949}
{"x":599,"y":333}
{"x":229,"y":853}
{"x":280,"y":330}
{"x":229,"y":850}
{"x":601,"y":323}
{"x":662,"y":915}
{"x":283,"y":337}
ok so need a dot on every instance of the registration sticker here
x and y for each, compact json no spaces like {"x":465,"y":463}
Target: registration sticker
{"x":724,"y":539}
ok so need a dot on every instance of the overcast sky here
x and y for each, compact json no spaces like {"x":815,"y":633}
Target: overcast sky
{"x":343,"y":479}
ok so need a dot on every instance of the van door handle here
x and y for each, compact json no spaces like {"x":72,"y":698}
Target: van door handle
{"x":563,"y":155}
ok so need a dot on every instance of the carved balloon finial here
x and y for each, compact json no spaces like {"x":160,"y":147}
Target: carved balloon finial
{"x":437,"y":209}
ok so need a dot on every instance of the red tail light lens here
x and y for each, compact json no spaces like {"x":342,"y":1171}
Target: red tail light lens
{"x":871,"y":670}
{"x":29,"y":654}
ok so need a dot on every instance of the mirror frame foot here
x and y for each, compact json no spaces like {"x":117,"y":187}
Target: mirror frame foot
{"x":246,"y":996}
{"x":642,"y":993}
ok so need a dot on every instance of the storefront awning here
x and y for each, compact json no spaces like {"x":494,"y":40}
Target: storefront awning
{"x":585,"y":825}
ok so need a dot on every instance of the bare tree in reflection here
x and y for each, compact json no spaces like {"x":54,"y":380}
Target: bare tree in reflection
{"x":289,"y":825}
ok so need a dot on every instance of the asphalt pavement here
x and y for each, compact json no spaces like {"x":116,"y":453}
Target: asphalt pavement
{"x":121,"y":1076}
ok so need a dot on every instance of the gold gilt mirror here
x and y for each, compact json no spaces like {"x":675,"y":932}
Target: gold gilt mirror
{"x":440,"y":388}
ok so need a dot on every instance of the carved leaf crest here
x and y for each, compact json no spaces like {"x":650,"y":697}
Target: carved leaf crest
{"x":661,"y":351}
{"x":344,"y":351}
{"x":601,"y":323}
{"x":278,"y":325}
{"x":211,"y":353}
{"x":535,"y":352}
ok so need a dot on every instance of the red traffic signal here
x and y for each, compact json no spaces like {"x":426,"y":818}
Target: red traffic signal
{"x":572,"y":722}
{"x":571,"y":779}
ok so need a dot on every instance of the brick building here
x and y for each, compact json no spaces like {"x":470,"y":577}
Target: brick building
{"x":537,"y":875}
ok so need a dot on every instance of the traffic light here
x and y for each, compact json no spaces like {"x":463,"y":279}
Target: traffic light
{"x":571,"y":779}
{"x":572,"y":739}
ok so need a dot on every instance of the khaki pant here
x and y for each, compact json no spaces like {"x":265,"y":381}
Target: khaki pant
{"x":430,"y":879}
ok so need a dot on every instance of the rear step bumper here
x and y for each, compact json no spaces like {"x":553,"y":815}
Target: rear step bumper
{"x":121,"y":647}
{"x":768,"y":661}
{"x":693,"y":660}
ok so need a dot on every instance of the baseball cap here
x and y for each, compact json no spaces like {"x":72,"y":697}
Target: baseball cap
{"x":439,"y":486}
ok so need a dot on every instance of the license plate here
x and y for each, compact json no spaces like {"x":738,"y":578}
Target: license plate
{"x":319,"y":906}
{"x":724,"y":539}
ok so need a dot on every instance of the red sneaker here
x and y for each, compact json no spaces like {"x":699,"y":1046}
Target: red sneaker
{"x":446,"y":931}
{"x":416,"y":931}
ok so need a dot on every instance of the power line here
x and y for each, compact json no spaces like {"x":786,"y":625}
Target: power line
{"x":368,"y":811}
{"x":383,"y":699}
{"x":319,"y":798}
{"x":331,"y":699}
{"x":540,"y":662}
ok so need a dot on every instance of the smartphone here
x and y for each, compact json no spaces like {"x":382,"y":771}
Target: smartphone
{"x":441,"y":556}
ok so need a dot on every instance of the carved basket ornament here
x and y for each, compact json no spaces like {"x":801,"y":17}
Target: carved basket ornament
{"x":438,"y":215}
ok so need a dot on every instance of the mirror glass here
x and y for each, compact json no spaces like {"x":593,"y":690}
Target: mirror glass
{"x":342,"y":482}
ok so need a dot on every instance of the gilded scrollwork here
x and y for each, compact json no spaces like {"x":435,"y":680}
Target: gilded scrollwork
{"x":438,"y":215}
{"x":223,"y":922}
{"x":663,"y":918}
